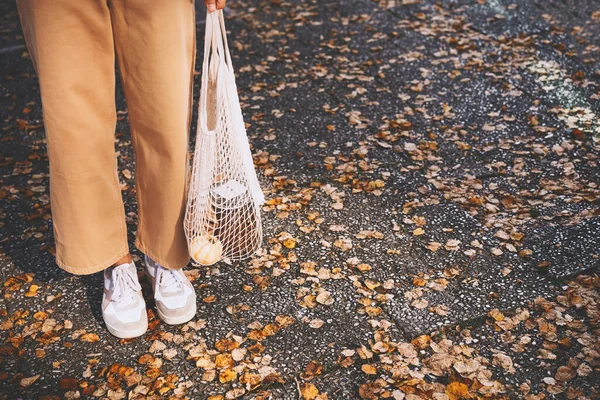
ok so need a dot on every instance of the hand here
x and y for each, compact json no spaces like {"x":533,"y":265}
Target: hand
{"x":214,"y":5}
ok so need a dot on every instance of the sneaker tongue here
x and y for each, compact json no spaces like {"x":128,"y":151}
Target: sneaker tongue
{"x":125,"y":283}
{"x":169,"y":282}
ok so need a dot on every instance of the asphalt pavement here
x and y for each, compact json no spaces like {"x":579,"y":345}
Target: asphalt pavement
{"x":431,"y":227}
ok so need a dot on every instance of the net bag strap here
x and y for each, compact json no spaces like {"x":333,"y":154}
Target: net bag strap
{"x":214,"y":54}
{"x":240,"y":135}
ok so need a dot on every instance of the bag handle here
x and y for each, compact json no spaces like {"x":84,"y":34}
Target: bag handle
{"x":214,"y":53}
{"x":223,"y":32}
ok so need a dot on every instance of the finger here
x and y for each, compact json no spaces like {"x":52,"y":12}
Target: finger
{"x":211,"y":5}
{"x":220,"y":4}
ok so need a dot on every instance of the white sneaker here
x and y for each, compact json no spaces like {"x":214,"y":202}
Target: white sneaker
{"x":174,"y":294}
{"x":123,"y":306}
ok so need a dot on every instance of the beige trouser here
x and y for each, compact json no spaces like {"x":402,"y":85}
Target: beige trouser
{"x":73,"y":45}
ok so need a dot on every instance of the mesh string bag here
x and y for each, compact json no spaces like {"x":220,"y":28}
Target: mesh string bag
{"x":222,"y":219}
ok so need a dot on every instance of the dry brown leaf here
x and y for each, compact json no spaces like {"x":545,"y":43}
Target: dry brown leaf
{"x":457,"y":390}
{"x":368,"y":369}
{"x":309,"y":391}
{"x":325,"y":298}
{"x":418,"y":232}
{"x":89,"y":337}
{"x":227,"y":376}
{"x":26,"y":382}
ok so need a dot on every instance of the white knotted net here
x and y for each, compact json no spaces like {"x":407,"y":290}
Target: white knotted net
{"x":222,"y":220}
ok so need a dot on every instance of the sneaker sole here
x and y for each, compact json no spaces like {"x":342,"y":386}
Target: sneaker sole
{"x":129,"y":334}
{"x":180,"y":319}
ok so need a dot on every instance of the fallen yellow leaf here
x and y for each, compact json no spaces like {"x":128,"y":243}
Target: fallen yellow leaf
{"x":227,"y":376}
{"x":32,"y":292}
{"x":457,"y":390}
{"x":309,"y":391}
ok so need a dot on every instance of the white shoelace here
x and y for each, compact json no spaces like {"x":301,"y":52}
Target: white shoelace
{"x":168,"y":280}
{"x":125,"y":283}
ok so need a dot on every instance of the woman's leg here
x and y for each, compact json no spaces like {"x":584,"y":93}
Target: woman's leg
{"x":71,"y":45}
{"x":155,"y":42}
